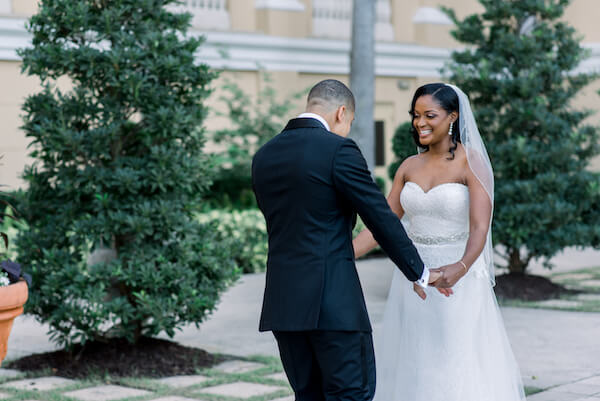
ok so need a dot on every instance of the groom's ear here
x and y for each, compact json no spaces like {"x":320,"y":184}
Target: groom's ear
{"x":340,"y":112}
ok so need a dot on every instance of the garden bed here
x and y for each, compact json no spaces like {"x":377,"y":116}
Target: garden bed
{"x":151,"y":357}
{"x":527,"y":287}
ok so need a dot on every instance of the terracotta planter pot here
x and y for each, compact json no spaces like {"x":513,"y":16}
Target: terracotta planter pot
{"x":12,"y":299}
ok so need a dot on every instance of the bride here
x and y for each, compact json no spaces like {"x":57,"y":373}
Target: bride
{"x":453,"y":347}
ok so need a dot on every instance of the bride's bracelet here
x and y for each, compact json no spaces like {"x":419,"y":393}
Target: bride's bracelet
{"x":463,"y":263}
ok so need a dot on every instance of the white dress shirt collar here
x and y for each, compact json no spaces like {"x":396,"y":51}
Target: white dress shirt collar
{"x":316,"y":117}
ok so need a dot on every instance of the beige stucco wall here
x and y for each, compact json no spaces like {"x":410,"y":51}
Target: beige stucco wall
{"x":589,"y":98}
{"x":24,"y":7}
{"x":583,"y":14}
{"x":15,"y":88}
{"x":242,"y":15}
{"x":434,"y":36}
{"x":578,"y":14}
{"x":402,"y":14}
{"x":296,"y":24}
{"x":462,"y":8}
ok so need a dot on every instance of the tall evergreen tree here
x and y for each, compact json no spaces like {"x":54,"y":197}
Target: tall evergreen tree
{"x":118,"y":173}
{"x":519,"y":68}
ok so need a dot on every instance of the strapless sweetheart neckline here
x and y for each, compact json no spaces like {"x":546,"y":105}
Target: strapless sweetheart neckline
{"x":436,"y":186}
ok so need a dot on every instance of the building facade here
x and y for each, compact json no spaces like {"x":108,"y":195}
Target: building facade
{"x":298,"y":42}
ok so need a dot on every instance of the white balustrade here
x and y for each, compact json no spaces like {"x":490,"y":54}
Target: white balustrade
{"x":333,"y":19}
{"x":283,"y":5}
{"x":206,"y":14}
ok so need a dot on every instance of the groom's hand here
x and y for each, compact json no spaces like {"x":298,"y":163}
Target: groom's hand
{"x":420,"y":291}
{"x":434,"y":276}
{"x":434,"y":279}
{"x":450,"y":274}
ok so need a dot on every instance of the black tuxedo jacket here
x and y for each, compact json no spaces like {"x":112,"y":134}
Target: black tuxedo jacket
{"x":309,"y":184}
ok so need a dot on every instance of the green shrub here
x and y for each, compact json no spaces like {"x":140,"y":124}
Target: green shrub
{"x":380,"y":181}
{"x":113,"y":243}
{"x":403,"y":146}
{"x":8,"y":221}
{"x":10,"y":228}
{"x":252,"y":123}
{"x":247,"y":231}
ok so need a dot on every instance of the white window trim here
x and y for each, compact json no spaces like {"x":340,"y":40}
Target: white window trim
{"x":250,"y":52}
{"x":283,"y":5}
{"x":13,"y":36}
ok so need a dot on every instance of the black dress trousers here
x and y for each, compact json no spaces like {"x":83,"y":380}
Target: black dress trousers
{"x":328,"y":365}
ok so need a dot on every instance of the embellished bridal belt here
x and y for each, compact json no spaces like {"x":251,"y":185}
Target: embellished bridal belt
{"x":437,"y":240}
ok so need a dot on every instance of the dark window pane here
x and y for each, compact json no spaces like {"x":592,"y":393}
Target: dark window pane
{"x":379,"y":143}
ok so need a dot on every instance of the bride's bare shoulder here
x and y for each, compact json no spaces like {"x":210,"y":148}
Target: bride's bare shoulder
{"x":411,"y":160}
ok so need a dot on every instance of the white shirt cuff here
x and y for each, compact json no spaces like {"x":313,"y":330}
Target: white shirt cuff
{"x":424,"y":280}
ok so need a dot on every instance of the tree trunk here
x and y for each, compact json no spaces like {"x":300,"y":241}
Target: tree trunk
{"x":516,"y":265}
{"x":362,"y":77}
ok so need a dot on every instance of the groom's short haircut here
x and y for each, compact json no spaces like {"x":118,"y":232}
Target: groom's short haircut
{"x":331,"y":94}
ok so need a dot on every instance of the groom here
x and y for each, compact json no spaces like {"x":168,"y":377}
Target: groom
{"x":310,"y":181}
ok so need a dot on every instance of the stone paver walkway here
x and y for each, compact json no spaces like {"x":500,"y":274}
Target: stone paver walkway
{"x":39,"y":384}
{"x":557,"y":351}
{"x":106,"y":393}
{"x":582,"y":390}
{"x":258,"y":382}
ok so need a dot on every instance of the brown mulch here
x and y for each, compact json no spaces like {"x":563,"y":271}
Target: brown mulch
{"x":526,"y":287}
{"x":150,"y":357}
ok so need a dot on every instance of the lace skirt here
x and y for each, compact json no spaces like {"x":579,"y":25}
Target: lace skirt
{"x":445,"y":349}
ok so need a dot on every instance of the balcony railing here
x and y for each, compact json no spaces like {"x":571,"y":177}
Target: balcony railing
{"x":333,"y":19}
{"x":206,"y":14}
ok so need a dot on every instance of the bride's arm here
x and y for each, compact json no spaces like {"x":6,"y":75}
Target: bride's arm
{"x":480,"y":212}
{"x":364,"y":241}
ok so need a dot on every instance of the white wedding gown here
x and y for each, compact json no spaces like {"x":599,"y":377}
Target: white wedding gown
{"x":443,"y":349}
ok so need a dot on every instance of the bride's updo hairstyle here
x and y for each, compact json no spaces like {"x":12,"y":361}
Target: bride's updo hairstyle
{"x":448,"y":100}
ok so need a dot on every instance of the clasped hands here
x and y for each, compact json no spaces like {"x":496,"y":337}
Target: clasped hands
{"x":443,"y":278}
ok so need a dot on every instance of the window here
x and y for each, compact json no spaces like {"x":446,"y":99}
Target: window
{"x":379,"y":143}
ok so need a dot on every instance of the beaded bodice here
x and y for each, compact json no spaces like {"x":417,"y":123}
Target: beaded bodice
{"x":438,"y":216}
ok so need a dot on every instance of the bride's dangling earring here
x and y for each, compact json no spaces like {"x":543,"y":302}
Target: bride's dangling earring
{"x":450,"y":130}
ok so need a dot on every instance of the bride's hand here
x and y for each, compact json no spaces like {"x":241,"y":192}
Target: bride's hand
{"x":450,"y":275}
{"x":421,"y":293}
